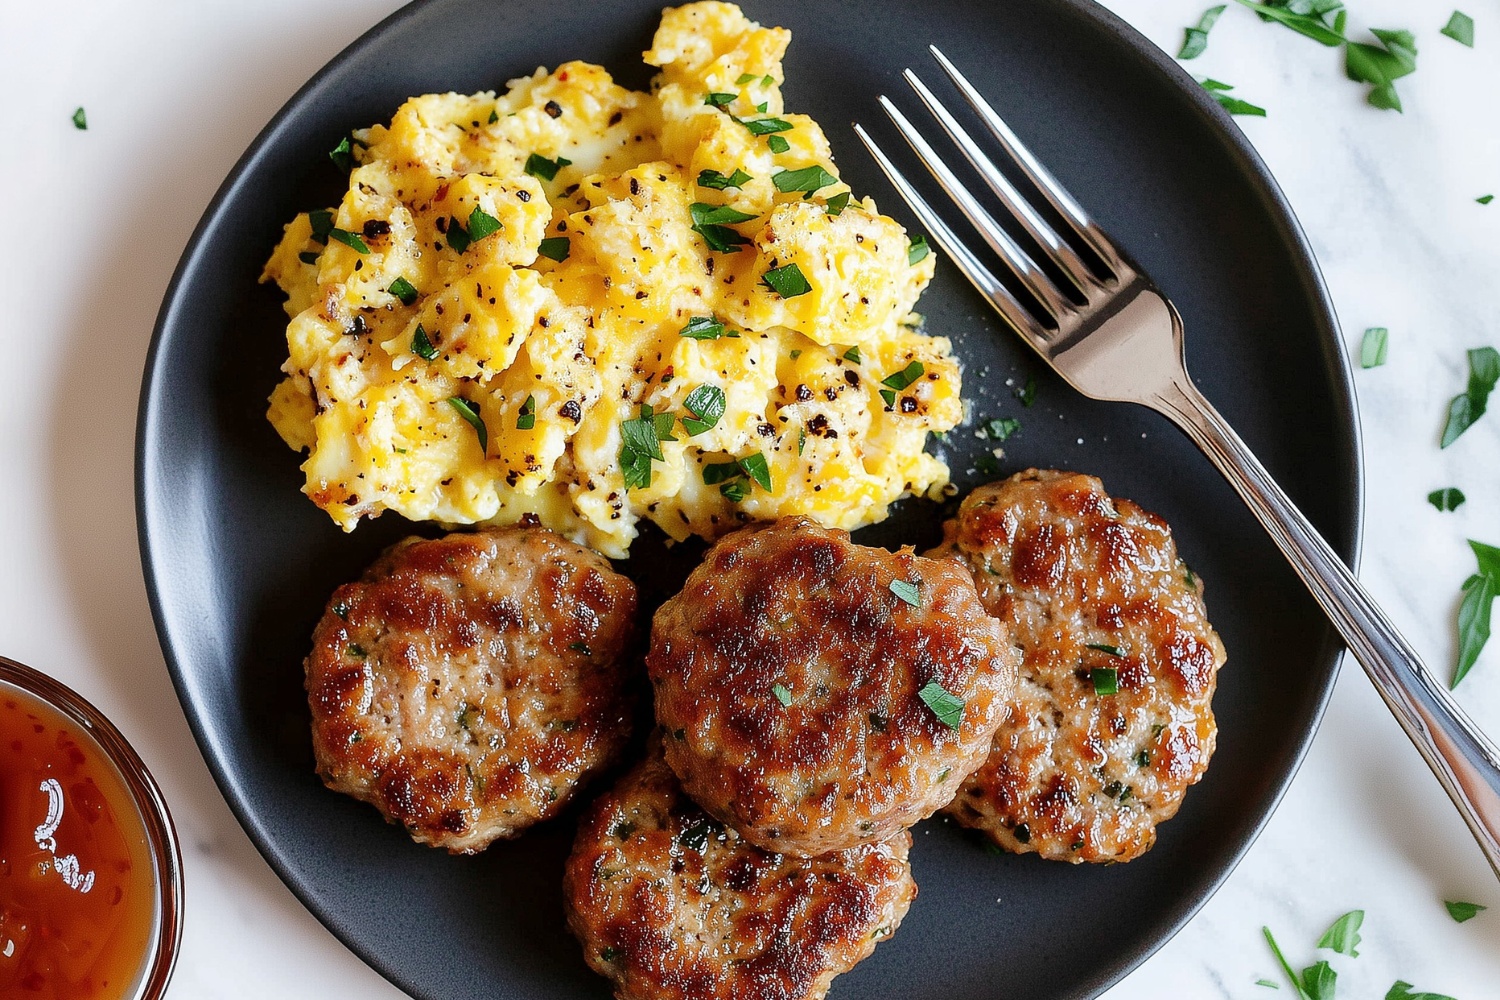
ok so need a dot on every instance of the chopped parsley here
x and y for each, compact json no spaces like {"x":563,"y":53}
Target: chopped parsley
{"x":1461,"y":912}
{"x":744,"y":79}
{"x":1401,"y":990}
{"x":1196,"y":39}
{"x":470,"y":412}
{"x":948,"y":707}
{"x":1449,"y":498}
{"x":900,"y":380}
{"x":1460,"y":28}
{"x":999,"y":429}
{"x":1485,"y":199}
{"x":494,"y":116}
{"x":1320,"y":20}
{"x":853,"y":355}
{"x":782,"y":694}
{"x":719,"y":99}
{"x":1027,"y":393}
{"x":918,"y":249}
{"x":718,"y":182}
{"x":1268,"y":984}
{"x":321,"y":222}
{"x":1106,"y":680}
{"x":909,"y":592}
{"x":642,"y":437}
{"x":766,"y":126}
{"x":703,"y":328}
{"x":732,"y":475}
{"x":1372,"y":348}
{"x":706,"y":404}
{"x":555,"y":248}
{"x":526,"y":419}
{"x":838,"y":203}
{"x":1474,"y":613}
{"x":808,"y":180}
{"x":403,"y":290}
{"x":787,"y":281}
{"x":1114,"y":651}
{"x":1219,"y":91}
{"x":756,"y":468}
{"x":482,"y":224}
{"x":1382,"y":65}
{"x":357,"y":651}
{"x":1484,"y":372}
{"x":1343,"y":936}
{"x":696,"y":837}
{"x":543,"y":168}
{"x":777,"y":144}
{"x":458,"y":236}
{"x":422,"y":345}
{"x":735,"y":490}
{"x":581,"y":648}
{"x":342,"y":155}
{"x":349,"y":239}
{"x":81,"y":120}
{"x":712,"y":223}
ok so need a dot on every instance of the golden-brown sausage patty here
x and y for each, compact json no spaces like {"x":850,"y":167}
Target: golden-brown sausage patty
{"x":1089,"y":585}
{"x":819,"y":694}
{"x":672,"y":905}
{"x":466,"y":685}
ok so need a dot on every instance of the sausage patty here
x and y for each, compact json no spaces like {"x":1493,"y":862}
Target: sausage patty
{"x":819,"y":694}
{"x":1098,"y":599}
{"x":672,"y":905}
{"x":466,"y":686}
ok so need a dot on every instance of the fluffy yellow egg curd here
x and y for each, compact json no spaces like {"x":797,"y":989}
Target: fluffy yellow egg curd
{"x":597,"y":305}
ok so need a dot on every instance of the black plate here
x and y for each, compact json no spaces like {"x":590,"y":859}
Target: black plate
{"x":238,"y":563}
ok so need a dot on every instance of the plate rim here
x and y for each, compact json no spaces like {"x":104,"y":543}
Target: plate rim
{"x":1293,"y":237}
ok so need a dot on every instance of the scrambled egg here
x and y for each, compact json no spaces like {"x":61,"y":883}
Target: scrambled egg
{"x":597,"y":305}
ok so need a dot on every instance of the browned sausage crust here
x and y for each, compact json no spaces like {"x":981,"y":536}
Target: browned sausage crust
{"x":1088,"y":583}
{"x":672,"y":905}
{"x":466,"y":685}
{"x":804,"y":680}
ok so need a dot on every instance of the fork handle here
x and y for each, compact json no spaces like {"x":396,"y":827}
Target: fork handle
{"x":1463,"y":758}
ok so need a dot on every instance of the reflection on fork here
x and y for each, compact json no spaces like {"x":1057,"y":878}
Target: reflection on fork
{"x":1101,"y":323}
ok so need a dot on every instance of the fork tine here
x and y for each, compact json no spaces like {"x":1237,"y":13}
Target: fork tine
{"x":1057,"y":195}
{"x":1063,"y":255}
{"x":980,"y":276}
{"x":1035,"y":280}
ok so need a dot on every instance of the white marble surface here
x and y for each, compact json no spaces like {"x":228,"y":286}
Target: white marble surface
{"x":175,"y":89}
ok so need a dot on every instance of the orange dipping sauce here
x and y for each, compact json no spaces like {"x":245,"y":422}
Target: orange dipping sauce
{"x":78,"y":907}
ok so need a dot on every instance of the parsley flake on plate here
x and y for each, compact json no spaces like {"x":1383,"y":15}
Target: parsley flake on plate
{"x":1461,"y":912}
{"x":948,"y":707}
{"x":1196,"y":39}
{"x":1484,"y":372}
{"x":1219,"y":91}
{"x":1474,"y":613}
{"x":1382,"y":65}
{"x":1372,"y":348}
{"x":1402,"y":991}
{"x":1449,"y":498}
{"x":470,"y":412}
{"x":81,"y":120}
{"x":1320,"y":20}
{"x":999,"y":429}
{"x":1343,"y":935}
{"x":1460,"y":28}
{"x":1485,"y":199}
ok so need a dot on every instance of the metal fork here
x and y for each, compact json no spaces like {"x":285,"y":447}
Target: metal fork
{"x":1113,"y":335}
